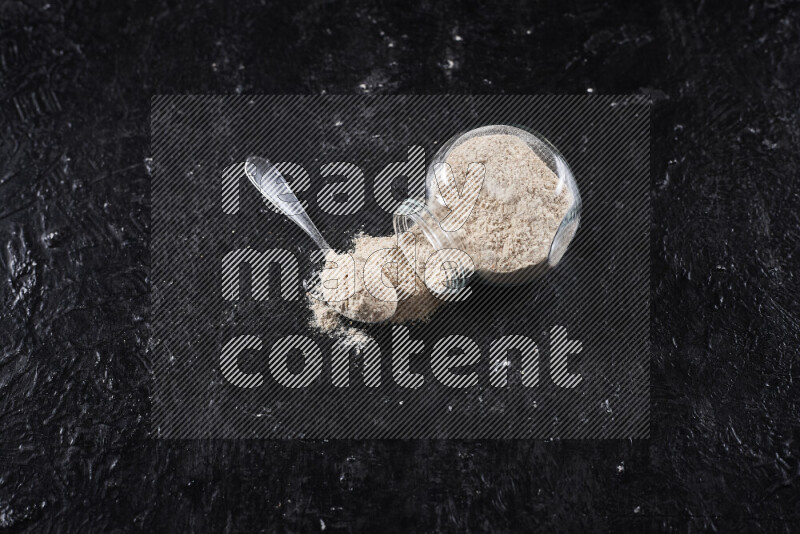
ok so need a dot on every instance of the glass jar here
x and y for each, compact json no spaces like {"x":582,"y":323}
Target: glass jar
{"x":525,"y":212}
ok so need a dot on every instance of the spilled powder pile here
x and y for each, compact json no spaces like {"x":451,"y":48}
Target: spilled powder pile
{"x":397,"y":301}
{"x":520,"y":206}
{"x":511,"y":227}
{"x":362,"y":305}
{"x":419,"y":305}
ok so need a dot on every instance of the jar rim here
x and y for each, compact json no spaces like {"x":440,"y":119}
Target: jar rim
{"x":412,"y":212}
{"x":419,"y":212}
{"x":552,"y":157}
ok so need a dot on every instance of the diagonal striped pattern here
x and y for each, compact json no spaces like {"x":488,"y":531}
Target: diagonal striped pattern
{"x":297,"y":177}
{"x":370,"y":352}
{"x":413,"y":169}
{"x":499,"y":363}
{"x":259,"y":264}
{"x":233,"y":355}
{"x":346,"y":194}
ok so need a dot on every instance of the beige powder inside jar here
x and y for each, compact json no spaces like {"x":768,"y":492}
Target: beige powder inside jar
{"x":519,"y":208}
{"x":510,"y":228}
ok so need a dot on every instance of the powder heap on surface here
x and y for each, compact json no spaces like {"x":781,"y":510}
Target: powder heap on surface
{"x":361,"y":305}
{"x":397,"y":302}
{"x":520,"y":206}
{"x":419,"y":305}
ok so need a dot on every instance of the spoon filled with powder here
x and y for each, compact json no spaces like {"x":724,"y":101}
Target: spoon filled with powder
{"x":361,"y":306}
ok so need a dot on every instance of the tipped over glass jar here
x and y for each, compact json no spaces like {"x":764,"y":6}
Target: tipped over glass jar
{"x":502,"y":195}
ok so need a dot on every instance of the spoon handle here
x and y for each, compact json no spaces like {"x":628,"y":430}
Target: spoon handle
{"x":266,"y":178}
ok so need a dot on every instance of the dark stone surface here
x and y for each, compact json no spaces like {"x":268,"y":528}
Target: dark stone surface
{"x":75,"y":84}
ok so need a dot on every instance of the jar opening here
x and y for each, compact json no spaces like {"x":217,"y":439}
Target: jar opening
{"x":413,"y":212}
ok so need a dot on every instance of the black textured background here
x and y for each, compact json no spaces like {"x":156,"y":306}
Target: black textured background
{"x":75,"y":86}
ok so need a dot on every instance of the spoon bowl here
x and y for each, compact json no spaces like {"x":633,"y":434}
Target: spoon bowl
{"x":273,"y":186}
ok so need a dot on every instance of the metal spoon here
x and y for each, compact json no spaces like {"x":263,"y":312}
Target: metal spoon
{"x":266,"y":178}
{"x":273,"y":186}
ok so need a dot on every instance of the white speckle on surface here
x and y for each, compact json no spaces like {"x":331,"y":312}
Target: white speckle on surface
{"x":621,"y":468}
{"x":502,"y":364}
{"x":6,"y":517}
{"x":637,"y":510}
{"x":322,"y":524}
